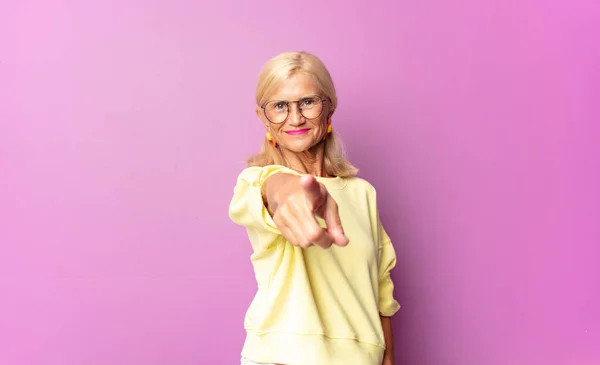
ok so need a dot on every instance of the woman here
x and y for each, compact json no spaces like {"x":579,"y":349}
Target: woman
{"x":322,"y":260}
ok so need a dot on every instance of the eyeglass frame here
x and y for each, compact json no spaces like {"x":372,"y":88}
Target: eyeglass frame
{"x":287,"y":105}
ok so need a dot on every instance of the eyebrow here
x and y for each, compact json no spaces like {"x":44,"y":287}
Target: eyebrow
{"x":305,"y":96}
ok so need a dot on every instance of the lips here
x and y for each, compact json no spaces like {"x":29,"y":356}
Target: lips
{"x":297,"y":131}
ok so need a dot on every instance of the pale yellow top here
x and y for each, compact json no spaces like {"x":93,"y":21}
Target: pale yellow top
{"x":317,"y":306}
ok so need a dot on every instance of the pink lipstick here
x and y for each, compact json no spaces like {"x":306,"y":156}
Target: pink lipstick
{"x":297,"y":131}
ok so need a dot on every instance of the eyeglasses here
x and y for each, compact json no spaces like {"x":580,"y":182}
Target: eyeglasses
{"x":310,"y":107}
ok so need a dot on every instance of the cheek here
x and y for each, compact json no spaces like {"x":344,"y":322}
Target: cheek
{"x":320,"y":123}
{"x":274,"y":128}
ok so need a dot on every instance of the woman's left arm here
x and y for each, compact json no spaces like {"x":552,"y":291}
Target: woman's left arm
{"x":388,"y":305}
{"x":389,"y":355}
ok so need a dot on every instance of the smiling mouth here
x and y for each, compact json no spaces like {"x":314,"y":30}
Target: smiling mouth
{"x":297,"y":131}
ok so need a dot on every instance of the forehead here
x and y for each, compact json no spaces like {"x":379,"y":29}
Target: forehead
{"x":295,"y":87}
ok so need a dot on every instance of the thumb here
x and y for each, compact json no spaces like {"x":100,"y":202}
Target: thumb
{"x":313,"y":191}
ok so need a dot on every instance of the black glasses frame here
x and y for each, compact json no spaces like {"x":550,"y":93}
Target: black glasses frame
{"x":287,"y":105}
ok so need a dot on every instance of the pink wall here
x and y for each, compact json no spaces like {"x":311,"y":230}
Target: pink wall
{"x":124,"y":124}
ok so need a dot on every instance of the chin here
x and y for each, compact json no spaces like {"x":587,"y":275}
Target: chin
{"x":295,"y":149}
{"x":298,"y":147}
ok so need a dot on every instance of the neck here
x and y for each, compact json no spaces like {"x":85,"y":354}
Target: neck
{"x":310,"y":161}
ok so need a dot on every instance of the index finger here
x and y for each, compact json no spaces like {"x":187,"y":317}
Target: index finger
{"x":313,"y":191}
{"x":334,"y":223}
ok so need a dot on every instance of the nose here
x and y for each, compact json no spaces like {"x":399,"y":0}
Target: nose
{"x":294,"y":117}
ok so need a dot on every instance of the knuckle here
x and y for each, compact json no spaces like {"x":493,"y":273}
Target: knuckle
{"x":305,"y":244}
{"x":279,"y":220}
{"x":314,"y":235}
{"x":295,"y":198}
{"x":283,"y":209}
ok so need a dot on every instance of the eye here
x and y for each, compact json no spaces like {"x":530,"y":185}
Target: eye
{"x":277,"y":106}
{"x":308,"y":102}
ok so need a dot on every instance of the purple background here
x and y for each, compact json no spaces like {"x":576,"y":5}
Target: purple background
{"x":123,"y":125}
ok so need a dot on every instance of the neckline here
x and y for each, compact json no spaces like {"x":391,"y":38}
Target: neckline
{"x":332,"y":182}
{"x":336,"y":182}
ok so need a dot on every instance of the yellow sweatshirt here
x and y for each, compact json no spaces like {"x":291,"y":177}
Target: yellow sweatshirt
{"x":316,"y":306}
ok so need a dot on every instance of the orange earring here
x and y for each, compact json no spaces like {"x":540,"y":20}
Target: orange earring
{"x":329,"y":129}
{"x":270,"y":139}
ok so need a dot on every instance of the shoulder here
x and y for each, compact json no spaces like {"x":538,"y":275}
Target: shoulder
{"x":258,"y":174}
{"x":356,"y":186}
{"x":248,"y":172}
{"x":360,"y":183}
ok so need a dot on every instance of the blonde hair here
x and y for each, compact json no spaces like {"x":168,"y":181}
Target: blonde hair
{"x":274,"y":73}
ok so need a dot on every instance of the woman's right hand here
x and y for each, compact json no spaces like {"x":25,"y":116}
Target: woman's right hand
{"x":294,"y":201}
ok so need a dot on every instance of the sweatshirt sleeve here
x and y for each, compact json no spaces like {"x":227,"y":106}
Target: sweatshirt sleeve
{"x":388,"y":305}
{"x":247,"y":207}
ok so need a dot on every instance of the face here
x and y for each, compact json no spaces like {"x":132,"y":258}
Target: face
{"x":297,"y":133}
